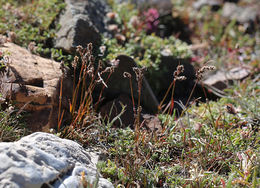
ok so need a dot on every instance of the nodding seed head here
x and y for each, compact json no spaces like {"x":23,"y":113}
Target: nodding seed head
{"x":102,"y":49}
{"x":139,"y":108}
{"x":111,"y":15}
{"x":201,"y":71}
{"x":127,"y":75}
{"x":180,"y":78}
{"x":91,"y":58}
{"x":179,"y":70}
{"x":79,"y":48}
{"x":75,"y":62}
{"x":139,"y":72}
{"x":108,"y":69}
{"x":90,"y":47}
{"x":99,"y":65}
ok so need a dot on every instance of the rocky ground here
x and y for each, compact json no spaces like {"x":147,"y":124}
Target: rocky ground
{"x":140,"y":93}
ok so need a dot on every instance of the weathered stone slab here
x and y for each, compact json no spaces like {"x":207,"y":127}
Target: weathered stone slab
{"x":221,"y":79}
{"x":45,"y":159}
{"x":33,"y":83}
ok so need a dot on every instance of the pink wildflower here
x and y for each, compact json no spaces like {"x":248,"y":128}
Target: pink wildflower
{"x":151,"y":19}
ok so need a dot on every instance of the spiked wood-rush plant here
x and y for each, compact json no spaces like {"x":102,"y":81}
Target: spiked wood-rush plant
{"x":87,"y":74}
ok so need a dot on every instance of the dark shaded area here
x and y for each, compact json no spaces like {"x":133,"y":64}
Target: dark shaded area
{"x":85,"y":34}
{"x":168,"y":26}
{"x":232,"y":1}
{"x":36,"y":82}
{"x":161,"y":80}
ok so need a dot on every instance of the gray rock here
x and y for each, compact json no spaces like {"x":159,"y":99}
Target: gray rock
{"x":221,"y":79}
{"x":45,"y":159}
{"x":241,"y":14}
{"x":213,"y":3}
{"x":81,"y":23}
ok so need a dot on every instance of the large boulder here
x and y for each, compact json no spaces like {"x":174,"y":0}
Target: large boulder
{"x":33,"y":83}
{"x":154,"y":87}
{"x":162,"y":80}
{"x":81,"y":23}
{"x":118,"y":94}
{"x":45,"y":160}
{"x":118,"y":85}
{"x":248,"y":14}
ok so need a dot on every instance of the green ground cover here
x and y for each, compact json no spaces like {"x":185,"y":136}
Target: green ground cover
{"x":212,"y":144}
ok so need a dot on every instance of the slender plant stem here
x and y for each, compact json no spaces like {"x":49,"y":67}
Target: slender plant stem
{"x":186,"y":105}
{"x":194,"y":86}
{"x":60,"y":98}
{"x":132,"y":95}
{"x":160,"y":105}
{"x":172,"y":99}
{"x":103,"y":87}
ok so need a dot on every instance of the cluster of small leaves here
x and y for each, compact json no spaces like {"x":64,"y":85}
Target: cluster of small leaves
{"x":154,"y":46}
{"x":219,"y":140}
{"x":221,"y":36}
{"x":146,"y":49}
{"x":138,"y":161}
{"x":32,"y":21}
{"x":3,"y":60}
{"x":12,"y":124}
{"x":209,"y":146}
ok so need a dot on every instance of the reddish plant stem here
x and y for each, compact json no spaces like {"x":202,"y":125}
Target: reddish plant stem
{"x":101,"y":92}
{"x":167,"y":92}
{"x":172,"y":99}
{"x":60,"y":97}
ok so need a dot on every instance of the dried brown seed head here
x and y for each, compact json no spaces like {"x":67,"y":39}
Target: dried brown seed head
{"x":32,"y":47}
{"x":102,"y":49}
{"x":75,"y":62}
{"x":90,"y":47}
{"x":11,"y":36}
{"x":180,"y":78}
{"x":231,"y":109}
{"x":114,"y":62}
{"x":139,"y":72}
{"x":127,"y":75}
{"x":112,"y":27}
{"x":120,"y":37}
{"x":180,"y":68}
{"x":111,"y":15}
{"x":79,"y":48}
{"x":204,"y":69}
